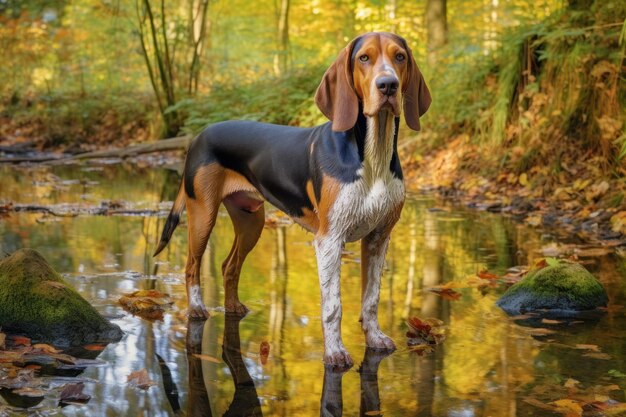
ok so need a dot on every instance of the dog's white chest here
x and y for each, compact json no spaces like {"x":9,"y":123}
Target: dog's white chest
{"x":360,"y":207}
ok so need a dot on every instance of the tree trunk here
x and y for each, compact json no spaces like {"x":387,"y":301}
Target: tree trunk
{"x":436,"y":28}
{"x":281,"y":58}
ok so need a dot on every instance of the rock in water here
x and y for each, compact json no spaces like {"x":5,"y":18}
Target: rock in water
{"x":37,"y":302}
{"x":564,"y":287}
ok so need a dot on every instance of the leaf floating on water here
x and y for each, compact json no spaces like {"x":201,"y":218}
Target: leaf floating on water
{"x":539,"y":331}
{"x":148,"y":304}
{"x":29,"y":392}
{"x":424,"y":335}
{"x":94,"y":347}
{"x":73,"y":393}
{"x":140,"y":379}
{"x":264,"y":351}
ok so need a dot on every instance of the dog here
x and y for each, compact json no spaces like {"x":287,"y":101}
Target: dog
{"x":341,"y":180}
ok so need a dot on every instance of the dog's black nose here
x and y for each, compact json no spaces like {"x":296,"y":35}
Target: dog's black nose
{"x":388,"y":85}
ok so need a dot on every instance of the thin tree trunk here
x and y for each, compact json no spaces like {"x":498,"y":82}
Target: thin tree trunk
{"x":281,"y":58}
{"x":436,"y":28}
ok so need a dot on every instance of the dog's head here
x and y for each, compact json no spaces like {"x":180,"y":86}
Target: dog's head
{"x":378,"y":70}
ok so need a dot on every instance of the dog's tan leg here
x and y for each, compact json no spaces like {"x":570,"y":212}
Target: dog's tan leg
{"x":201,"y":220}
{"x":248,"y":227}
{"x":201,"y":216}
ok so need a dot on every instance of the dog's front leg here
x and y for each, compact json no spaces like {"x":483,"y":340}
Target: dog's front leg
{"x":328,"y":251}
{"x":373,"y":250}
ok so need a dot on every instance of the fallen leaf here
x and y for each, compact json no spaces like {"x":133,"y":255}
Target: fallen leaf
{"x":19,"y":340}
{"x":374,"y":413}
{"x":571,"y":383}
{"x":538,"y":404}
{"x":594,"y":348}
{"x":548,"y":321}
{"x":148,"y":304}
{"x":2,"y":339}
{"x":595,"y":355}
{"x":424,"y":334}
{"x":264,"y":351}
{"x":570,"y":406}
{"x":29,"y":392}
{"x":484,"y":274}
{"x":539,"y":331}
{"x":46,"y":348}
{"x":73,"y":393}
{"x":140,"y":379}
{"x":94,"y":347}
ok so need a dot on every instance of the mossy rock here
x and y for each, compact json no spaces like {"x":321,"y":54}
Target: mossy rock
{"x":37,"y":302}
{"x":565,"y":287}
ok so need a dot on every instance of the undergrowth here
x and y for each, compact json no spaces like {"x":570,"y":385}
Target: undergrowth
{"x":554,"y":87}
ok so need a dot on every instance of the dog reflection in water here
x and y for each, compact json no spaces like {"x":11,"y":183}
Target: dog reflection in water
{"x":246,"y":402}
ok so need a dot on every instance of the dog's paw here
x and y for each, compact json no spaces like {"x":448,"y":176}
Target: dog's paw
{"x":379,"y":340}
{"x":339,"y":359}
{"x":198,"y":312}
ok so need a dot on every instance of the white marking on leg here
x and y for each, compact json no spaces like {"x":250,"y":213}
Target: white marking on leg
{"x":328,"y":253}
{"x":374,"y":337}
{"x":195,"y":298}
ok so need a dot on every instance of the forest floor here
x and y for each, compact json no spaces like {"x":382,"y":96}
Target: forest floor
{"x":578,"y":200}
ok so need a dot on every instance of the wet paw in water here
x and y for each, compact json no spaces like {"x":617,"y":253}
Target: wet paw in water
{"x":340,"y":359}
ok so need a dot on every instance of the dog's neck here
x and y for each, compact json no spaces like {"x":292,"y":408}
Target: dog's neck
{"x":379,"y":146}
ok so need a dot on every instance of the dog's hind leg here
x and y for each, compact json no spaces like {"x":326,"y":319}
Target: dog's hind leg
{"x":201,"y":216}
{"x":248,"y":226}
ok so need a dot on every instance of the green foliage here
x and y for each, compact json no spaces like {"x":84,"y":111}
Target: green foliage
{"x":284,"y":100}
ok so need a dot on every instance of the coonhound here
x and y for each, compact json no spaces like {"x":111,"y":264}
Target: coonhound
{"x":341,"y":180}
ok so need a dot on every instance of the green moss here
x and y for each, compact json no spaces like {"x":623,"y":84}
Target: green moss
{"x":564,"y":286}
{"x":35,"y":300}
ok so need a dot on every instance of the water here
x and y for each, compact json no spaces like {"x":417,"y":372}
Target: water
{"x":489,"y":365}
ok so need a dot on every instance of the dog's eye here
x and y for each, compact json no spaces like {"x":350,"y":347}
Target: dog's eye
{"x":364,"y":58}
{"x":400,"y":57}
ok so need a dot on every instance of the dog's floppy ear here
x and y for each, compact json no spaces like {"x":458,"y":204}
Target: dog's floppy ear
{"x":335,"y":96}
{"x":415,"y":94}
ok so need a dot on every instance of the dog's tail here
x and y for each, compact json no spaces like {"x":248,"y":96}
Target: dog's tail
{"x":172,"y":219}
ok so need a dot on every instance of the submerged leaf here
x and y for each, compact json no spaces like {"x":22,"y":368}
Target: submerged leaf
{"x":73,"y":393}
{"x":140,"y":379}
